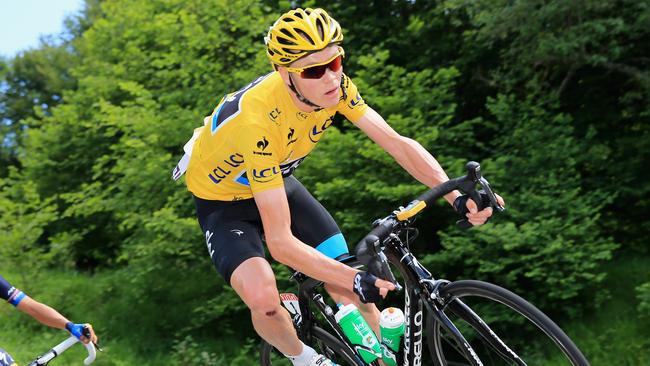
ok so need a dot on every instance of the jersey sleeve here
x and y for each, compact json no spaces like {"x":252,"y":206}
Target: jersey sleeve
{"x":7,"y":292}
{"x":261,"y":150}
{"x":353,"y":107}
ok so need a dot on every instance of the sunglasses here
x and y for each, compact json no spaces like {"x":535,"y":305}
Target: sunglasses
{"x":318,"y":70}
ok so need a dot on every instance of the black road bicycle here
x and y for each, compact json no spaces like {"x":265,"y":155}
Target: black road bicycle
{"x":462,"y":322}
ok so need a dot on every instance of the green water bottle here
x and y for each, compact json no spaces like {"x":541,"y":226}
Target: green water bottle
{"x":358,"y":332}
{"x":391,"y":327}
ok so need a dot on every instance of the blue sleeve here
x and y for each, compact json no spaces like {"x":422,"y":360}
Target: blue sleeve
{"x":5,"y":359}
{"x":7,"y":292}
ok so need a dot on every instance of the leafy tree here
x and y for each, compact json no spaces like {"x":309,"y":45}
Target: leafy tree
{"x":32,"y":83}
{"x":23,"y":220}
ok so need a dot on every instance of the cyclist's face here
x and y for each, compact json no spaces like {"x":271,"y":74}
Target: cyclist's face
{"x":323,"y":91}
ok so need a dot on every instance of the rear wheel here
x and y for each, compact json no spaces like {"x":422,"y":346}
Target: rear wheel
{"x":523,"y":328}
{"x":323,"y":342}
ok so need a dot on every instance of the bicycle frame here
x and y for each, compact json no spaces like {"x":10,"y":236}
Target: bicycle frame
{"x":422,"y":290}
{"x":383,"y":245}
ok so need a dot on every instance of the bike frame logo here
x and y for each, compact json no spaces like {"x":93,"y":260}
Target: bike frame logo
{"x":414,"y":327}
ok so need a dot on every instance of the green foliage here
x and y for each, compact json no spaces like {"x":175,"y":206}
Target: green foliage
{"x":643,"y":294}
{"x":23,"y":219}
{"x":32,"y":83}
{"x":615,"y":333}
{"x":188,"y":352}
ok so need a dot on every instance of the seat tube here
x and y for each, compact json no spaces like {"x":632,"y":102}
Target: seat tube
{"x":412,"y":347}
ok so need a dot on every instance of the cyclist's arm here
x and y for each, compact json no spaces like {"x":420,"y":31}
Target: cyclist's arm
{"x":407,"y":152}
{"x":288,"y":250}
{"x":42,"y":313}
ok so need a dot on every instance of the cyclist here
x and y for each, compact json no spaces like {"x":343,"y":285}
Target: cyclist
{"x":42,"y":313}
{"x":239,"y":169}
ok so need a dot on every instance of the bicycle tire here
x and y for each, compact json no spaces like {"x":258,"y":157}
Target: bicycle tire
{"x":323,"y":342}
{"x":488,"y":298}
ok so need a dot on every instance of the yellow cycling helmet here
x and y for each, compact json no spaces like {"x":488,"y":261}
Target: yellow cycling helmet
{"x":298,"y":33}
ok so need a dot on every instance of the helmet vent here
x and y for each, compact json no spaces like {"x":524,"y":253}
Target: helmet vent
{"x":305,"y":36}
{"x":284,"y":41}
{"x":321,"y":29}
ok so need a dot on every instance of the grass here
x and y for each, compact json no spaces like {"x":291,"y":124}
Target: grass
{"x":615,"y":334}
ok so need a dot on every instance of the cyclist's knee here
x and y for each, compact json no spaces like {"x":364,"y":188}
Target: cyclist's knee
{"x":261,"y":296}
{"x":262,"y":301}
{"x":254,"y":282}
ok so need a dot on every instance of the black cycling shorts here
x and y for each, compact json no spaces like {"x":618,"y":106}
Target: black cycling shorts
{"x":233,"y":229}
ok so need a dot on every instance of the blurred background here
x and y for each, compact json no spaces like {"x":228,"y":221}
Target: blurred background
{"x":552,"y":97}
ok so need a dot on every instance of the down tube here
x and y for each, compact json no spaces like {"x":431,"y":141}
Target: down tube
{"x":412,"y":355}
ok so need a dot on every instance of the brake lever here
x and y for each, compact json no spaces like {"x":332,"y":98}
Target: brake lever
{"x":387,"y":274}
{"x":86,"y":333}
{"x":490,"y":193}
{"x":468,"y":186}
{"x":370,"y":254}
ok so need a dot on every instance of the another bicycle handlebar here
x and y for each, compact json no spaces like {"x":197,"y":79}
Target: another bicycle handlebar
{"x":62,"y":347}
{"x":369,"y":248}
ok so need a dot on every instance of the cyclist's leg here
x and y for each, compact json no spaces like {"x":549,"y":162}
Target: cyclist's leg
{"x":233,"y":237}
{"x":5,"y":359}
{"x":254,"y":282}
{"x":313,"y":225}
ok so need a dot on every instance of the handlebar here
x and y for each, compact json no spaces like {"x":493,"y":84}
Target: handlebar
{"x":62,"y":347}
{"x":369,"y":252}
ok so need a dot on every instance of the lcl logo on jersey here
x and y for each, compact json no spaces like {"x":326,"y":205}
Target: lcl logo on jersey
{"x":261,"y":145}
{"x":302,"y":115}
{"x":316,"y":132}
{"x":274,"y":114}
{"x":265,"y":175}
{"x":356,"y":101}
{"x":223,"y":170}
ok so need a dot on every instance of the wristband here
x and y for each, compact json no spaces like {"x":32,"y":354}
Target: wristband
{"x":75,"y":329}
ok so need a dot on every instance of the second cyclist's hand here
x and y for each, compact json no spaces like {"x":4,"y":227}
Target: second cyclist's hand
{"x":370,"y":288}
{"x":83,"y":332}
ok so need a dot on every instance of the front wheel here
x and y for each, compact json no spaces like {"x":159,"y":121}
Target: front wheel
{"x":501,"y":327}
{"x":323,"y":342}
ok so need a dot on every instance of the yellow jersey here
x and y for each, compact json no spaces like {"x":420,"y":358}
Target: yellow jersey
{"x":256,"y":136}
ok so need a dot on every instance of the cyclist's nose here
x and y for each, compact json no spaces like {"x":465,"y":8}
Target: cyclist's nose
{"x":330,"y":76}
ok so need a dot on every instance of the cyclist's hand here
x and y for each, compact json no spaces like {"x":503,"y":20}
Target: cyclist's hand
{"x":370,"y":288}
{"x":83,"y":332}
{"x":468,"y":208}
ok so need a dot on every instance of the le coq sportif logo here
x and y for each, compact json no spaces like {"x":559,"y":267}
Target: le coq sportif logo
{"x":262,"y":145}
